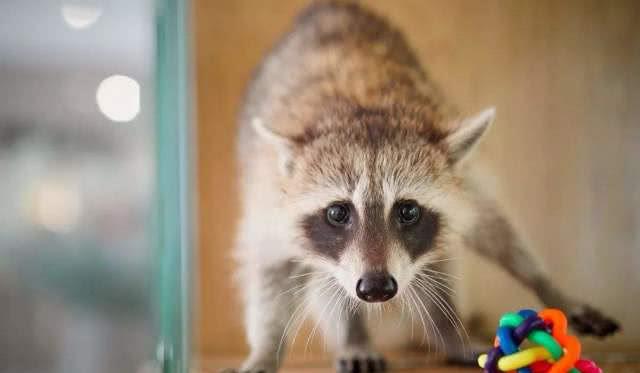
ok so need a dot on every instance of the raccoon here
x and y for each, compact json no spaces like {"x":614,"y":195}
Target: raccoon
{"x":354,"y":192}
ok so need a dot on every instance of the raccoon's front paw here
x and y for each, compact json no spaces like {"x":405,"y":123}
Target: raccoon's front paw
{"x":360,"y":361}
{"x":589,"y":321}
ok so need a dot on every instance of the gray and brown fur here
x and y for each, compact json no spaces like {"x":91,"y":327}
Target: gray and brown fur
{"x":341,"y":110}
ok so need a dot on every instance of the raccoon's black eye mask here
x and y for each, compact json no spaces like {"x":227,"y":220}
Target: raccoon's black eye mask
{"x":330,"y":230}
{"x":417,"y":227}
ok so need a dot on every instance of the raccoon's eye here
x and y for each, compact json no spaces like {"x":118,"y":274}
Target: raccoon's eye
{"x":338,"y":214}
{"x":409,"y":213}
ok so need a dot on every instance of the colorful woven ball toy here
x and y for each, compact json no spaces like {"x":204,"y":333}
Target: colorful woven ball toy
{"x":553,"y":350}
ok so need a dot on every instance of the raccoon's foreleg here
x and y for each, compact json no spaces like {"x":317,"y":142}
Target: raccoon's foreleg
{"x":354,"y":353}
{"x":269,"y":302}
{"x":494,"y":237}
{"x":343,"y":328}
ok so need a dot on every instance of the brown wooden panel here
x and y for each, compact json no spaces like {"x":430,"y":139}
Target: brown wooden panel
{"x":564,"y":155}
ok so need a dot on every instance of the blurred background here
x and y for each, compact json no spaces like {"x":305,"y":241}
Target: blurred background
{"x":563,"y":156}
{"x":78,"y":254}
{"x":96,"y":158}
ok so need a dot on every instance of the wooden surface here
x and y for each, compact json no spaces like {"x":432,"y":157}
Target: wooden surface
{"x":565,"y":77}
{"x":611,"y":368}
{"x":214,"y":366}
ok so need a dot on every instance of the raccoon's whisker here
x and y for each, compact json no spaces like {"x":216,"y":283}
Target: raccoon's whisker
{"x":437,"y":300}
{"x":427,"y":267}
{"x":407,"y":306}
{"x":402,"y":306}
{"x":334,"y":285}
{"x":405,"y":300}
{"x":353,"y":305}
{"x":312,"y":283}
{"x":413,"y":300}
{"x":341,"y":308}
{"x":337,"y":307}
{"x":438,"y":282}
{"x":426,"y":335}
{"x":440,"y":273}
{"x":442,"y":280}
{"x":378,"y":310}
{"x":443,"y":260}
{"x":433,"y":324}
{"x":331,"y":303}
{"x":303,"y":286}
{"x":454,"y":314}
{"x":288,"y":325}
{"x":441,"y":287}
{"x":302,"y":316}
{"x":315,"y":259}
{"x":298,"y":316}
{"x":350,"y":308}
{"x":308,"y":260}
{"x":339,"y":318}
{"x":307,"y":274}
{"x":367,"y":312}
{"x":321,"y":293}
{"x":303,"y":260}
{"x":293,"y":320}
{"x":292,"y":289}
{"x":447,"y":311}
{"x":403,"y":311}
{"x":301,"y":307}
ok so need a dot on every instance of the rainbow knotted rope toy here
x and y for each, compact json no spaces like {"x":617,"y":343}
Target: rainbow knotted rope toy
{"x":554,"y":352}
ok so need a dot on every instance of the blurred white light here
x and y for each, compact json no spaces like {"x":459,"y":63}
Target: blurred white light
{"x":80,"y":15}
{"x":56,"y":206}
{"x":118,"y":98}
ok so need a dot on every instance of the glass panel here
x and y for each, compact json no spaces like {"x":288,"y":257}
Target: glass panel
{"x":173,"y":203}
{"x":93,"y":237}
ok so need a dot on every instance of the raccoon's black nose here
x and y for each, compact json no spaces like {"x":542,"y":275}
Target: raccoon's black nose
{"x":376,"y":287}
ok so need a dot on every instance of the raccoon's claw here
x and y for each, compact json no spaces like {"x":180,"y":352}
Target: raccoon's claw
{"x":361,"y":363}
{"x":588,"y":321}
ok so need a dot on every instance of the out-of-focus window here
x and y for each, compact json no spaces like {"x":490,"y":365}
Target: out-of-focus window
{"x":76,"y":185}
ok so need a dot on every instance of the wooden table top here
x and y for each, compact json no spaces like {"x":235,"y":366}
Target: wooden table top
{"x":215,"y":365}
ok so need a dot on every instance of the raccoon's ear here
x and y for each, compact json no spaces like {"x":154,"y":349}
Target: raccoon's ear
{"x":466,"y":133}
{"x":283,"y":145}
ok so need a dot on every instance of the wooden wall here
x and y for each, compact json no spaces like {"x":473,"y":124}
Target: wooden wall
{"x":564,"y":154}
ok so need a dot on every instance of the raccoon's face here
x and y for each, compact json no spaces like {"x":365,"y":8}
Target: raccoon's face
{"x":366,"y":208}
{"x":372,"y":204}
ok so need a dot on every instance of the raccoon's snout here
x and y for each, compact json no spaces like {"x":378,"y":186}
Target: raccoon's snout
{"x":376,"y":287}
